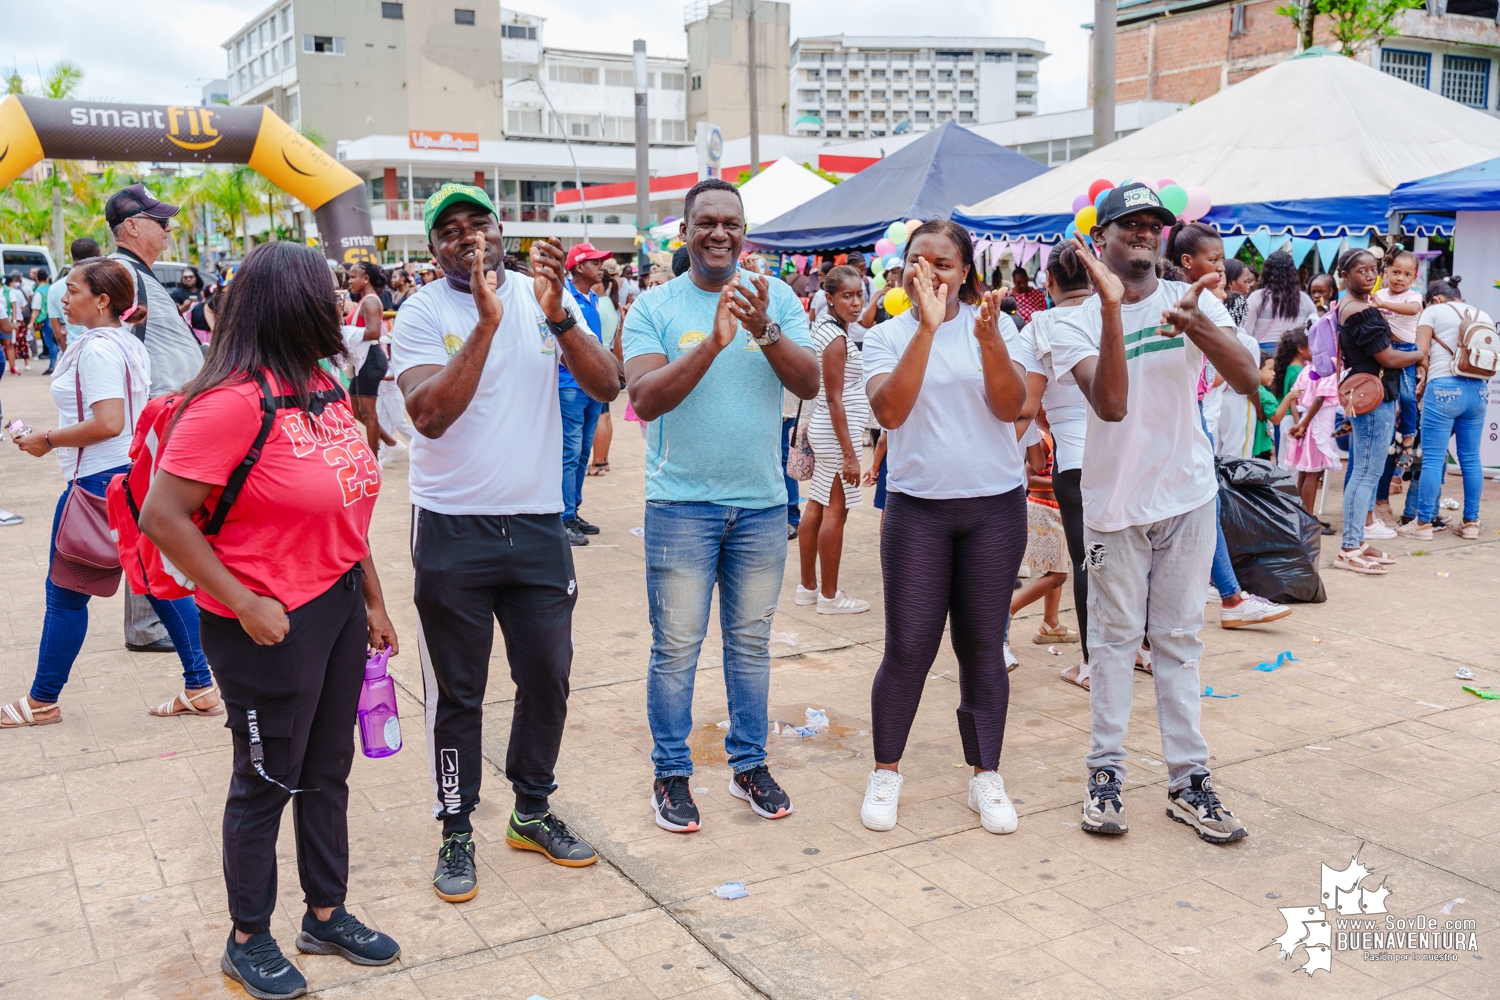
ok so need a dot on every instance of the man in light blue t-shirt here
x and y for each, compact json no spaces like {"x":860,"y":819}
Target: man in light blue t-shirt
{"x":706,"y":357}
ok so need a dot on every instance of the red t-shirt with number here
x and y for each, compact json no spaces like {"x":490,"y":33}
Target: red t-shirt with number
{"x":301,"y":519}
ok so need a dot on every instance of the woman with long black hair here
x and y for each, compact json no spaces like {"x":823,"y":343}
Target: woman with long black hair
{"x":942,"y":380}
{"x":366,"y":283}
{"x":1278,"y":305}
{"x":287,"y":592}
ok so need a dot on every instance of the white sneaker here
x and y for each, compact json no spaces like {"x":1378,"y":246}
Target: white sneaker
{"x":28,"y":366}
{"x":841,"y":604}
{"x":806,"y":597}
{"x":987,"y":797}
{"x":882,"y":795}
{"x":1011,"y":662}
{"x":7,"y":518}
{"x":1213,"y":594}
{"x":1252,"y":611}
{"x":389,"y":453}
{"x":1379,"y":530}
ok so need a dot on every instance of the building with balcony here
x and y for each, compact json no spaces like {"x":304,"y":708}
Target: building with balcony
{"x":857,"y":86}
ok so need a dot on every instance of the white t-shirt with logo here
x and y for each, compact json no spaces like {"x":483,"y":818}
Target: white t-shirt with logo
{"x":1156,"y":463}
{"x":503,"y":455}
{"x":1067,"y":410}
{"x":1445,"y":320}
{"x":951,"y":445}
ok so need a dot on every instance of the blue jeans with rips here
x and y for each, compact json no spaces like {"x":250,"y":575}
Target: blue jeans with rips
{"x":66,"y":623}
{"x":689,"y":547}
{"x":1368,"y":443}
{"x":580,"y":418}
{"x":1454,"y":406}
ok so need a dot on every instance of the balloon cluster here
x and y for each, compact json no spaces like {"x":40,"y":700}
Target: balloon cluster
{"x":1187,"y":203}
{"x":889,"y":253}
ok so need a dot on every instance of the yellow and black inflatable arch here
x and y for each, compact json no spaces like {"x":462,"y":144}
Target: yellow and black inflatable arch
{"x":36,"y":128}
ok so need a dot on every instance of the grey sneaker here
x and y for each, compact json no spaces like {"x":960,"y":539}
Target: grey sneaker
{"x":1198,"y":806}
{"x":455,"y":879}
{"x":1103,"y":812}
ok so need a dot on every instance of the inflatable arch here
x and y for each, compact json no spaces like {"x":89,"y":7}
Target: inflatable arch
{"x":36,"y":128}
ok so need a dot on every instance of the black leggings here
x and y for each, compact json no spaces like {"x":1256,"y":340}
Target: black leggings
{"x":942,"y":558}
{"x":305,"y":692}
{"x":1066,"y":487}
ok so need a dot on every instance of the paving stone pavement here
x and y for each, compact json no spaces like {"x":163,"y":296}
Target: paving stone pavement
{"x":111,"y":885}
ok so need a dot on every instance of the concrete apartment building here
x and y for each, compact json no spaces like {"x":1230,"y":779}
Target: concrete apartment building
{"x":1171,"y":50}
{"x":718,"y":45}
{"x":858,"y":86}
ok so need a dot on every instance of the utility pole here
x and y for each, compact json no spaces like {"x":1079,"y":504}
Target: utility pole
{"x":59,"y":234}
{"x":1309,"y":18}
{"x":642,"y":162}
{"x":754,"y":100}
{"x":1104,"y":73}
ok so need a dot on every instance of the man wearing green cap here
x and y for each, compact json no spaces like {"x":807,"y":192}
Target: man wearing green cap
{"x":476,"y":356}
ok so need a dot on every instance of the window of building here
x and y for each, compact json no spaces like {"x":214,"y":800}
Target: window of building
{"x":323,"y":44}
{"x":576,"y":126}
{"x":834,"y":114}
{"x":619,"y":77}
{"x":879,"y":116}
{"x":673,"y":81}
{"x":924,"y":116}
{"x":854,"y":74}
{"x":898,"y":74}
{"x":1236,"y":20}
{"x":286,"y":19}
{"x":944,"y":115}
{"x":992,"y":56}
{"x":856,"y":95}
{"x":522,"y":31}
{"x":807,"y":96}
{"x":619,"y":128}
{"x":835,"y":95}
{"x":812,"y":74}
{"x":522,"y":122}
{"x":1466,"y":79}
{"x":923,"y":74}
{"x":966,"y":116}
{"x":833,"y":133}
{"x":966,"y":96}
{"x":945,"y":95}
{"x":294,"y":112}
{"x":461,"y":16}
{"x":966,"y":74}
{"x":1413,"y":67}
{"x":286,"y":52}
{"x":877,"y":95}
{"x":588,"y":75}
{"x":945,"y":75}
{"x":923,"y":95}
{"x":959,"y":54}
{"x":835,"y":74}
{"x":673,"y":131}
{"x":900,"y":95}
{"x":1026,"y":57}
{"x":392,"y":12}
{"x":898,"y":116}
{"x":877,"y":74}
{"x":697,"y":81}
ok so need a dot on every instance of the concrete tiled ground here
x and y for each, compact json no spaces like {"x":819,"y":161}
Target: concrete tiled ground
{"x":110,"y":885}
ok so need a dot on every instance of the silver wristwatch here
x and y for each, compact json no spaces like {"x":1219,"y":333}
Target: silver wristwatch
{"x":772,"y":334}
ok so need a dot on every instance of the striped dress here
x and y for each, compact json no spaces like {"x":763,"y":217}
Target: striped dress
{"x":829,"y":457}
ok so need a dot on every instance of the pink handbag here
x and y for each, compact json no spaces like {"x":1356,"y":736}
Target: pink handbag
{"x":86,"y":558}
{"x":800,"y":459}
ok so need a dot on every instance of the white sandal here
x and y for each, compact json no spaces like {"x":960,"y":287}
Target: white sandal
{"x":1356,"y":561}
{"x":1080,"y":675}
{"x":167,"y":709}
{"x":20,"y":714}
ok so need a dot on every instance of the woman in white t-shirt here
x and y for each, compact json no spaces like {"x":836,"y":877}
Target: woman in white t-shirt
{"x":943,"y":381}
{"x":1454,"y":405}
{"x":106,"y":373}
{"x":836,"y":433}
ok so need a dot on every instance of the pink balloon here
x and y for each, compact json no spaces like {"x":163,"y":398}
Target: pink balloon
{"x":1199,"y":202}
{"x":911,"y":225}
{"x":884,"y":246}
{"x":1164,"y":182}
{"x":1150,"y":182}
{"x":1166,"y":237}
{"x":1079,"y":202}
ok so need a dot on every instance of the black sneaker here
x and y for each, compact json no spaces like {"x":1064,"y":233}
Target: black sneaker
{"x":455,"y":879}
{"x":1198,"y":806}
{"x":162,"y":645}
{"x":672,"y":802}
{"x":1103,"y":812}
{"x":758,"y":788}
{"x":791,"y":532}
{"x":260,"y":967}
{"x":550,"y":837}
{"x":343,"y":934}
{"x":583,"y":526}
{"x":575,"y":537}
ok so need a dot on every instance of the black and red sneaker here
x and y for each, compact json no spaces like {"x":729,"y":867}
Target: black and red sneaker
{"x":758,"y":788}
{"x":672,"y":802}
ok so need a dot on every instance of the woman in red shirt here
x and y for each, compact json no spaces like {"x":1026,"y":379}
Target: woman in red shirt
{"x":287,"y":592}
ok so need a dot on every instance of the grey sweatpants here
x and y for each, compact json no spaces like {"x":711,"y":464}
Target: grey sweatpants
{"x":1149,"y":580}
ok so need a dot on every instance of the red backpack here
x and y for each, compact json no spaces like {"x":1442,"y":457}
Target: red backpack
{"x":146,"y":570}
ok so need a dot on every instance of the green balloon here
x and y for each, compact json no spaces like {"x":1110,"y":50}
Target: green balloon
{"x":1174,"y":198}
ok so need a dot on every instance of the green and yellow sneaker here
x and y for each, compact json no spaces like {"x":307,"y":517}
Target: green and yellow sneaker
{"x":550,"y":837}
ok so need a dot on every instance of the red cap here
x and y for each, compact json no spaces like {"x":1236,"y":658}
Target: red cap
{"x":583,"y":252}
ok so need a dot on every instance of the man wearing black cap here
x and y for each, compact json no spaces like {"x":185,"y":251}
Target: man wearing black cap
{"x":1136,"y":349}
{"x":142,"y":227}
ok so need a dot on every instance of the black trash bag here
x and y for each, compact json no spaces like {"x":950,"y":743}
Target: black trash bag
{"x":1273,"y":541}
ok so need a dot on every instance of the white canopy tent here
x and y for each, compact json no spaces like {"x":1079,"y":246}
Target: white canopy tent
{"x":1315,"y":143}
{"x":778,"y":189}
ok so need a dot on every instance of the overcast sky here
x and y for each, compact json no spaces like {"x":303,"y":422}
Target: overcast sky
{"x":172,"y":48}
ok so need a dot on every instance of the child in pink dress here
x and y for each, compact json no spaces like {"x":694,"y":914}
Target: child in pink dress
{"x":1310,"y":448}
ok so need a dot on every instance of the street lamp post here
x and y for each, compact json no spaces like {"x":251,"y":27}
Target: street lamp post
{"x":577,"y":177}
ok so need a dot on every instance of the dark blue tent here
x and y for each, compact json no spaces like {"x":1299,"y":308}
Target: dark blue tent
{"x":948,"y":166}
{"x":1475,"y":188}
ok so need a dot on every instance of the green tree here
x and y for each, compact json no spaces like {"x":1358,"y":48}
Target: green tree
{"x":1354,"y":23}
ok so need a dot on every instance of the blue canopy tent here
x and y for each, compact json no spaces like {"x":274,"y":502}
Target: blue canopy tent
{"x":1474,"y":188}
{"x":946,"y":167}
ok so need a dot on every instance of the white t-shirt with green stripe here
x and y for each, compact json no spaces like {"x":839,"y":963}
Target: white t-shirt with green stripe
{"x":1156,"y":463}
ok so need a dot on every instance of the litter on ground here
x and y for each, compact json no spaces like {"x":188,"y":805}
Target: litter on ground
{"x":788,"y":638}
{"x":1208,"y":692}
{"x":732,"y":890}
{"x":1281,"y":658}
{"x":1484,"y":693}
{"x":1464,"y":674}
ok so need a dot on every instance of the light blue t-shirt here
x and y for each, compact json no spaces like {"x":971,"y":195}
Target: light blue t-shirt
{"x":55,"y":307}
{"x":722,"y":444}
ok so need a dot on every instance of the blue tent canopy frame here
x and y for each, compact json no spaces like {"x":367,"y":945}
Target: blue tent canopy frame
{"x":1475,"y":188}
{"x":948,"y":166}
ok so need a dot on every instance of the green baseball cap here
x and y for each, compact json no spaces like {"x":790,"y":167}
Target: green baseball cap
{"x":452,"y":194}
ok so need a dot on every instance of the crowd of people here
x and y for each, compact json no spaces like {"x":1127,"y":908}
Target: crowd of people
{"x":1067,"y":425}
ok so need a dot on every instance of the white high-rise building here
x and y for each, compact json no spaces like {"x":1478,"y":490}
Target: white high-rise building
{"x":865,"y":86}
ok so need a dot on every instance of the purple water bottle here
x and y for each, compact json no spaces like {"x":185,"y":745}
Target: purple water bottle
{"x":379,"y":726}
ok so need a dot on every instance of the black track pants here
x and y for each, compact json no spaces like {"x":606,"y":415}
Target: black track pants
{"x":471,"y":571}
{"x":1068,"y":489}
{"x":942,"y":558}
{"x":305,"y":693}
